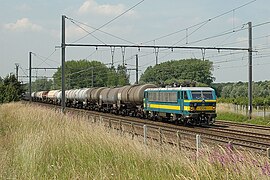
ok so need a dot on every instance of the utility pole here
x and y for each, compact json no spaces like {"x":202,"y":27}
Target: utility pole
{"x":156,"y":54}
{"x":137,"y":69}
{"x":92,"y":76}
{"x":30,"y":76}
{"x":17,"y":71}
{"x":123,"y":50}
{"x":112,"y":53}
{"x":250,"y":70}
{"x":63,"y":46}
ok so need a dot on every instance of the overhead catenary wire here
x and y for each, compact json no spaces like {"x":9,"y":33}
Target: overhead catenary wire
{"x":241,"y":41}
{"x":39,"y":57}
{"x":219,"y":35}
{"x":201,"y":23}
{"x":88,"y":32}
{"x":23,"y":70}
{"x":223,"y":34}
{"x":110,"y":21}
{"x":112,"y":35}
{"x":45,"y":59}
{"x":239,"y":7}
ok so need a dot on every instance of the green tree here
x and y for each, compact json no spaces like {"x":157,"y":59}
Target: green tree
{"x":112,"y":77}
{"x":238,"y":92}
{"x":122,"y":77}
{"x":2,"y":92}
{"x":79,"y":75}
{"x":193,"y":70}
{"x":10,"y":89}
{"x":42,"y":84}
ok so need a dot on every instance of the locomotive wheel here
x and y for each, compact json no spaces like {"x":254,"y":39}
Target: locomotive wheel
{"x":185,"y":122}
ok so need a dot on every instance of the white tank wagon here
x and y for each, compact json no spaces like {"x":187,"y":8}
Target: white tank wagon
{"x":38,"y":95}
{"x":34,"y":96}
{"x":68,"y":97}
{"x":68,"y":93}
{"x":73,"y":94}
{"x":84,"y":97}
{"x":78,"y":100}
{"x":41,"y":95}
{"x":58,"y":97}
{"x":108,"y":100}
{"x":52,"y":96}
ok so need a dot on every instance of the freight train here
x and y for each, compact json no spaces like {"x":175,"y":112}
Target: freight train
{"x":186,"y":105}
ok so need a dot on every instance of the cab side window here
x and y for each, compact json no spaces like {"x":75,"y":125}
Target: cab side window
{"x":185,"y":95}
{"x":145,"y":94}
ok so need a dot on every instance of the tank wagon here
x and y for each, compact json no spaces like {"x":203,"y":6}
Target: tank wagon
{"x":188,"y":105}
{"x":52,"y":96}
{"x":41,"y":96}
{"x":83,"y":97}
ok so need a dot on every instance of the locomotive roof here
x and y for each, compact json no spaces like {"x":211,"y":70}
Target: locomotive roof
{"x":181,"y":88}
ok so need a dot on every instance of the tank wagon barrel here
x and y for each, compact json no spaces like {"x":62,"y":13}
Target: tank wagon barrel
{"x":136,"y":93}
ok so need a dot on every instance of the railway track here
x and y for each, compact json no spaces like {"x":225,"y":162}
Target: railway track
{"x":252,"y":126}
{"x":221,"y":133}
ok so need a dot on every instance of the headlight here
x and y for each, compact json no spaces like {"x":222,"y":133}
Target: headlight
{"x":214,"y":107}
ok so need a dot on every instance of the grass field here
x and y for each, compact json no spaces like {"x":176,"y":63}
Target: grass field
{"x":224,"y":113}
{"x":39,"y":143}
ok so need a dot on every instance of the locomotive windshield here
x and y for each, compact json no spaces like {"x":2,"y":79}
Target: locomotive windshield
{"x":207,"y":95}
{"x":202,"y":95}
{"x":196,"y":94}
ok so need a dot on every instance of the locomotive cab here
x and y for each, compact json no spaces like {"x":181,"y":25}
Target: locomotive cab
{"x":200,"y":106}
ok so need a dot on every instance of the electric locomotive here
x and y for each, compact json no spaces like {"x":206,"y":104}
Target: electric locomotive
{"x":188,"y":105}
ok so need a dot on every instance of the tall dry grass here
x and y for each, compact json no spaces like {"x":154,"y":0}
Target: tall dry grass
{"x":39,"y":143}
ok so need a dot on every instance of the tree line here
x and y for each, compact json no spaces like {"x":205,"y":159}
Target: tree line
{"x":191,"y":72}
{"x":83,"y":73}
{"x":178,"y":71}
{"x":237,"y":92}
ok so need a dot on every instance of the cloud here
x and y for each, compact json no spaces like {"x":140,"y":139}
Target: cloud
{"x":233,"y":20}
{"x":23,"y":25}
{"x":71,"y":32}
{"x":74,"y":32}
{"x":24,"y":8}
{"x":242,"y":41}
{"x":90,"y":6}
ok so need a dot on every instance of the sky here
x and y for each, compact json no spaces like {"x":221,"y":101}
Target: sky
{"x":35,"y":25}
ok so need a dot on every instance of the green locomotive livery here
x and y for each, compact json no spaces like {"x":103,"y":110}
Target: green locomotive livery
{"x":189,"y":105}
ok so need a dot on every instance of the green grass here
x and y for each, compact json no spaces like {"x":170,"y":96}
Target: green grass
{"x":39,"y":143}
{"x":228,"y":116}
